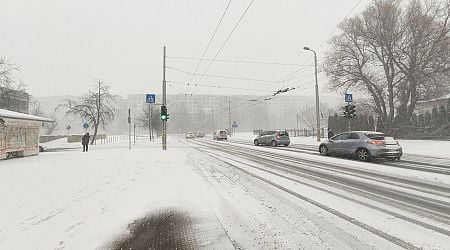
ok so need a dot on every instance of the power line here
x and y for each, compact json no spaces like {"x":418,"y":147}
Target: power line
{"x":217,"y":86}
{"x":241,"y":61}
{"x":212,"y":37}
{"x":225,"y":77}
{"x":323,"y":42}
{"x":260,"y":100}
{"x":226,"y":40}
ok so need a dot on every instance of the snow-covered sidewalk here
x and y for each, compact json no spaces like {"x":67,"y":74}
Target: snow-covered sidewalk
{"x":75,"y":200}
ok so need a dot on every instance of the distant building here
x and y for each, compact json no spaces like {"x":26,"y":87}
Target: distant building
{"x":423,"y":106}
{"x":14,"y":100}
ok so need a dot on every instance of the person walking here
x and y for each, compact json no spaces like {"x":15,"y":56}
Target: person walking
{"x":330,"y":133}
{"x":85,"y":142}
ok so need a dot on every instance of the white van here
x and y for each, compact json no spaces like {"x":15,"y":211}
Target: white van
{"x":220,"y":134}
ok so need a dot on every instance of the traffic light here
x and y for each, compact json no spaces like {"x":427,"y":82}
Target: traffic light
{"x":346,"y":111}
{"x":164,"y":115}
{"x":349,"y":111}
{"x":352,"y":111}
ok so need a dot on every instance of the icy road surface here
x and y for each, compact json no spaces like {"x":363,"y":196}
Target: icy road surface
{"x":222,"y":195}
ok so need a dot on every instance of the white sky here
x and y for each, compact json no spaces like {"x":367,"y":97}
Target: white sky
{"x":62,"y":46}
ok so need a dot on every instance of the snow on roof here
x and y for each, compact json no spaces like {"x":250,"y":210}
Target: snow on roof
{"x":436,"y":99}
{"x":15,"y":115}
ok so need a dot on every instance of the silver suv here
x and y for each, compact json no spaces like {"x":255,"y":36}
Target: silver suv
{"x":272,"y":138}
{"x":365,"y":145}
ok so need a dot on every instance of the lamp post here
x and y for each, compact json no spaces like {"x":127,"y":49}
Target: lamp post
{"x":317,"y":93}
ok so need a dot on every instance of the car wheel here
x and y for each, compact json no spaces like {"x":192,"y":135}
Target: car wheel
{"x":287,"y":144}
{"x":256,"y":142}
{"x":273,"y":144}
{"x":323,"y":150}
{"x":363,"y":154}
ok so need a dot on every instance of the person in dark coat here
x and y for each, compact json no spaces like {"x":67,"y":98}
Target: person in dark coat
{"x":85,"y":142}
{"x":330,"y":133}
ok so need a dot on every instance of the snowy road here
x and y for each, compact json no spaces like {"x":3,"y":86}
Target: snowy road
{"x":222,"y":195}
{"x":388,"y":205}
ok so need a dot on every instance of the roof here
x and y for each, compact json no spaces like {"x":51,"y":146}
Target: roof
{"x":436,"y":99}
{"x":21,"y":116}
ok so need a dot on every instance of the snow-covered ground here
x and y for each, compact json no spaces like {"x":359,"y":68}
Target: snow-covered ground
{"x":67,"y":199}
{"x":74,"y":200}
{"x":417,"y":147}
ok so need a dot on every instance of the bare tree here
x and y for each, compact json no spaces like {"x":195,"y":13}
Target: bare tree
{"x":397,"y":56}
{"x":12,"y":90}
{"x":96,"y":108}
{"x":307,"y":116}
{"x":149,"y":119}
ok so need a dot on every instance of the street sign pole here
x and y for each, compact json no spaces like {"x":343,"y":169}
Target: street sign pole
{"x":129,"y":129}
{"x":349,"y":100}
{"x":164,"y":122}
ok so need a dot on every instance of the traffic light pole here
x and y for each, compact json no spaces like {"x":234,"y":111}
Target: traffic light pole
{"x":164,"y":122}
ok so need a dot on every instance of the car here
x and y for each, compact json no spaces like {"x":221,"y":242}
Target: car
{"x":364,"y":145}
{"x":220,"y":134}
{"x":200,"y":135}
{"x":272,"y":138}
{"x":43,"y":148}
{"x":190,"y":135}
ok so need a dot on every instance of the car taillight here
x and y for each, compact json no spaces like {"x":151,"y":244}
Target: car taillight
{"x":376,"y":142}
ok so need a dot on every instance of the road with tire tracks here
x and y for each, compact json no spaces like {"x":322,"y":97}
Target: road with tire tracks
{"x":397,"y":206}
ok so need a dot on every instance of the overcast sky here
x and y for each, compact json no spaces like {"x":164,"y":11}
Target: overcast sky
{"x":63,"y":46}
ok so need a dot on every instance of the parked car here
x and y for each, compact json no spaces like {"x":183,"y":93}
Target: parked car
{"x":272,"y":138}
{"x":200,"y":135}
{"x":364,"y":145}
{"x":190,"y":135}
{"x":220,"y":135}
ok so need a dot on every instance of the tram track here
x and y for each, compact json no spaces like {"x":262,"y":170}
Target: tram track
{"x":419,"y":205}
{"x":409,"y":162}
{"x":289,"y":173}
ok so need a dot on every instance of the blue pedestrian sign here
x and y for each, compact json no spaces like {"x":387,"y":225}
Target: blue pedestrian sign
{"x":150,"y":98}
{"x":86,"y":125}
{"x":348,"y":97}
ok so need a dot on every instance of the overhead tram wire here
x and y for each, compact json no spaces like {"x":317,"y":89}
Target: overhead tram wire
{"x":226,"y":40}
{"x":254,"y":103}
{"x":324,"y":41}
{"x":242,"y":61}
{"x":263,"y":99}
{"x":218,"y":86}
{"x":225,"y":77}
{"x":210,"y":40}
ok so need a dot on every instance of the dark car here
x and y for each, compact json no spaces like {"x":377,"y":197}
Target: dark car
{"x":364,"y":145}
{"x":200,"y":135}
{"x":272,"y":138}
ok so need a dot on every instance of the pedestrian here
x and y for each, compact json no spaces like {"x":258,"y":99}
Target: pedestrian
{"x":330,"y":133}
{"x":85,"y":142}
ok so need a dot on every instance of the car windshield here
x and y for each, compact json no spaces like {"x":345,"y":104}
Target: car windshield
{"x":222,"y":132}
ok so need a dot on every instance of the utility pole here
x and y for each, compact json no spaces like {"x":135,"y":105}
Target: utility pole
{"x":229,"y":115}
{"x":212,"y":116}
{"x":164,"y":122}
{"x":134,"y":133}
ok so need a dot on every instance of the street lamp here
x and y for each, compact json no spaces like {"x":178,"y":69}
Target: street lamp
{"x":317,"y":93}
